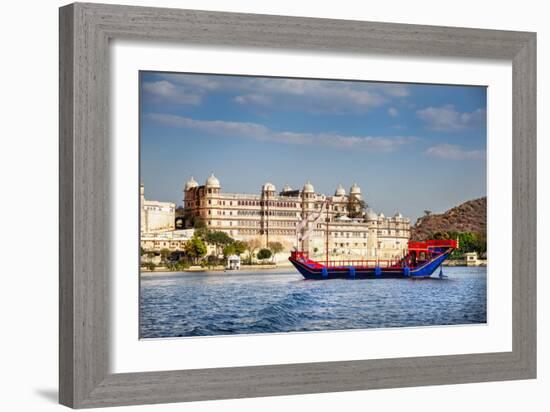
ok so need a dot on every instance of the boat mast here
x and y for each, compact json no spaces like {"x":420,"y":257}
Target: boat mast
{"x":326,"y":235}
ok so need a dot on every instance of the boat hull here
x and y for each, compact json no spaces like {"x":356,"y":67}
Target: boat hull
{"x":315,"y":271}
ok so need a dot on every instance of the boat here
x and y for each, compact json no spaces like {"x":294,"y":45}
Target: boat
{"x":421,"y":261}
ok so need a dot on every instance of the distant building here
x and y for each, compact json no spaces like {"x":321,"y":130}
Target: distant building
{"x":471,"y":259}
{"x":171,"y":240}
{"x":156,"y":216}
{"x":233,"y":262}
{"x":296,"y":218}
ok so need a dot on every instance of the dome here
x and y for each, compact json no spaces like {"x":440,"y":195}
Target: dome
{"x":371,"y":215}
{"x":287,"y":188}
{"x":355,"y":190}
{"x":381,"y":216}
{"x":212,"y":181}
{"x":191,"y":183}
{"x":398,"y":215}
{"x":340,"y":191}
{"x":308,"y":188}
{"x":268,"y":187}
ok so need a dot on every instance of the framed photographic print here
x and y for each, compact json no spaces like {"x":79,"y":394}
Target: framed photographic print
{"x":257,"y":205}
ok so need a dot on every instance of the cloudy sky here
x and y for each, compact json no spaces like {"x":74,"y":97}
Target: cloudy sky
{"x":410,"y":147}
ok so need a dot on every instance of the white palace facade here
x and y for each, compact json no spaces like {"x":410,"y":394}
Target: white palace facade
{"x":299,"y":218}
{"x":155,"y":216}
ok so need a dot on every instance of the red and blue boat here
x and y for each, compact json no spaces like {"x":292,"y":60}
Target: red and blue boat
{"x":421,"y":261}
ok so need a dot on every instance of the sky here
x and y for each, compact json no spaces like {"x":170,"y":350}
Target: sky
{"x":410,"y":147}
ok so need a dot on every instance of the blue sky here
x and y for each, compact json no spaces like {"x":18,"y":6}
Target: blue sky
{"x":410,"y":147}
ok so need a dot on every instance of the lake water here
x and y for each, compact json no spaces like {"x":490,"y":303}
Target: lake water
{"x":218,"y":303}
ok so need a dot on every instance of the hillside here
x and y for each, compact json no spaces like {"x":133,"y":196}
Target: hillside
{"x":470,"y":216}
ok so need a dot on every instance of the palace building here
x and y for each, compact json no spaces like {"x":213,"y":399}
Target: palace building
{"x":155,"y":216}
{"x":299,"y":218}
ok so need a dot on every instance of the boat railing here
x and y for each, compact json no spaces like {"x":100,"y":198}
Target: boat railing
{"x":383,"y":263}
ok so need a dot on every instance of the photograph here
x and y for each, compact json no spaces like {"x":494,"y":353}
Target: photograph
{"x":284,"y":205}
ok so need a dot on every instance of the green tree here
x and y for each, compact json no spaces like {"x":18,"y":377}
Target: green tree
{"x":142,"y":251}
{"x":240,"y":247}
{"x":164,"y":253}
{"x":218,"y":239}
{"x":198,"y":222}
{"x":195,"y":248}
{"x":212,"y":260}
{"x":251,"y":246}
{"x":229,"y":250}
{"x":264,"y":254}
{"x":468,"y":242}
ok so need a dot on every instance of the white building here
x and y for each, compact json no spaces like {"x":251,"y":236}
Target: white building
{"x":299,"y":218}
{"x":156,"y":216}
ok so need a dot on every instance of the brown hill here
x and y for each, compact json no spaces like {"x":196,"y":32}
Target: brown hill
{"x":470,"y":216}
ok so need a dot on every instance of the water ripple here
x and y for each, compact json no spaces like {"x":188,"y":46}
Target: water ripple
{"x":281,"y":301}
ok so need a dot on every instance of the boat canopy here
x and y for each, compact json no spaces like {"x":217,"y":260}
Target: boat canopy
{"x":428,"y":245}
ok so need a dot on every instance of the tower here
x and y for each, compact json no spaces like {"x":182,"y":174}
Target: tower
{"x":308,"y":204}
{"x":268,"y":191}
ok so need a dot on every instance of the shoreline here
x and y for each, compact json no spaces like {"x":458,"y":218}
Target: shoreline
{"x":200,"y":269}
{"x":163,"y":270}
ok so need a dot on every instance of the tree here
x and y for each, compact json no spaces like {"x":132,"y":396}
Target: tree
{"x":264,"y":254}
{"x":251,"y":246}
{"x":427,"y":212}
{"x":356,"y":207}
{"x":142,"y":251}
{"x":218,"y":239}
{"x":468,"y":242}
{"x":440,"y":235}
{"x":229,"y":250}
{"x":195,"y":248}
{"x":275,"y":247}
{"x":198,"y":222}
{"x":240,"y":247}
{"x":164,"y":253}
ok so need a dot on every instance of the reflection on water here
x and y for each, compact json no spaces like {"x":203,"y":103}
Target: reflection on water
{"x":281,"y":300}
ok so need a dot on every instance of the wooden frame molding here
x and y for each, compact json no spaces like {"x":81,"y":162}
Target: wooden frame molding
{"x":85,"y":31}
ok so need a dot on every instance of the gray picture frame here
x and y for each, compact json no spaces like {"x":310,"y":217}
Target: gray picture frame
{"x":85,"y":32}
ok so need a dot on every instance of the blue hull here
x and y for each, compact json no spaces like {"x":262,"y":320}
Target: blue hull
{"x":349,"y":272}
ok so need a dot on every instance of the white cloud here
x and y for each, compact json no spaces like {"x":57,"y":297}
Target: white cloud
{"x":393,"y":112}
{"x":260,"y":132}
{"x":258,"y":99}
{"x":316,"y":96}
{"x":453,"y":152}
{"x":448,"y":119}
{"x":165,"y":90}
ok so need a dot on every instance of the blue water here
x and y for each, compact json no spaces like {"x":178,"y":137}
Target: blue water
{"x":217,"y":303}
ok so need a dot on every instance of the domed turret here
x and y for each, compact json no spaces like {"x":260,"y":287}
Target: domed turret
{"x":191,"y":183}
{"x":268,"y":187}
{"x":308,"y":188}
{"x":355,"y":189}
{"x":398,"y":216}
{"x":371,"y":215}
{"x":212,"y":182}
{"x":340,"y":191}
{"x":381,"y":216}
{"x":287,"y":188}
